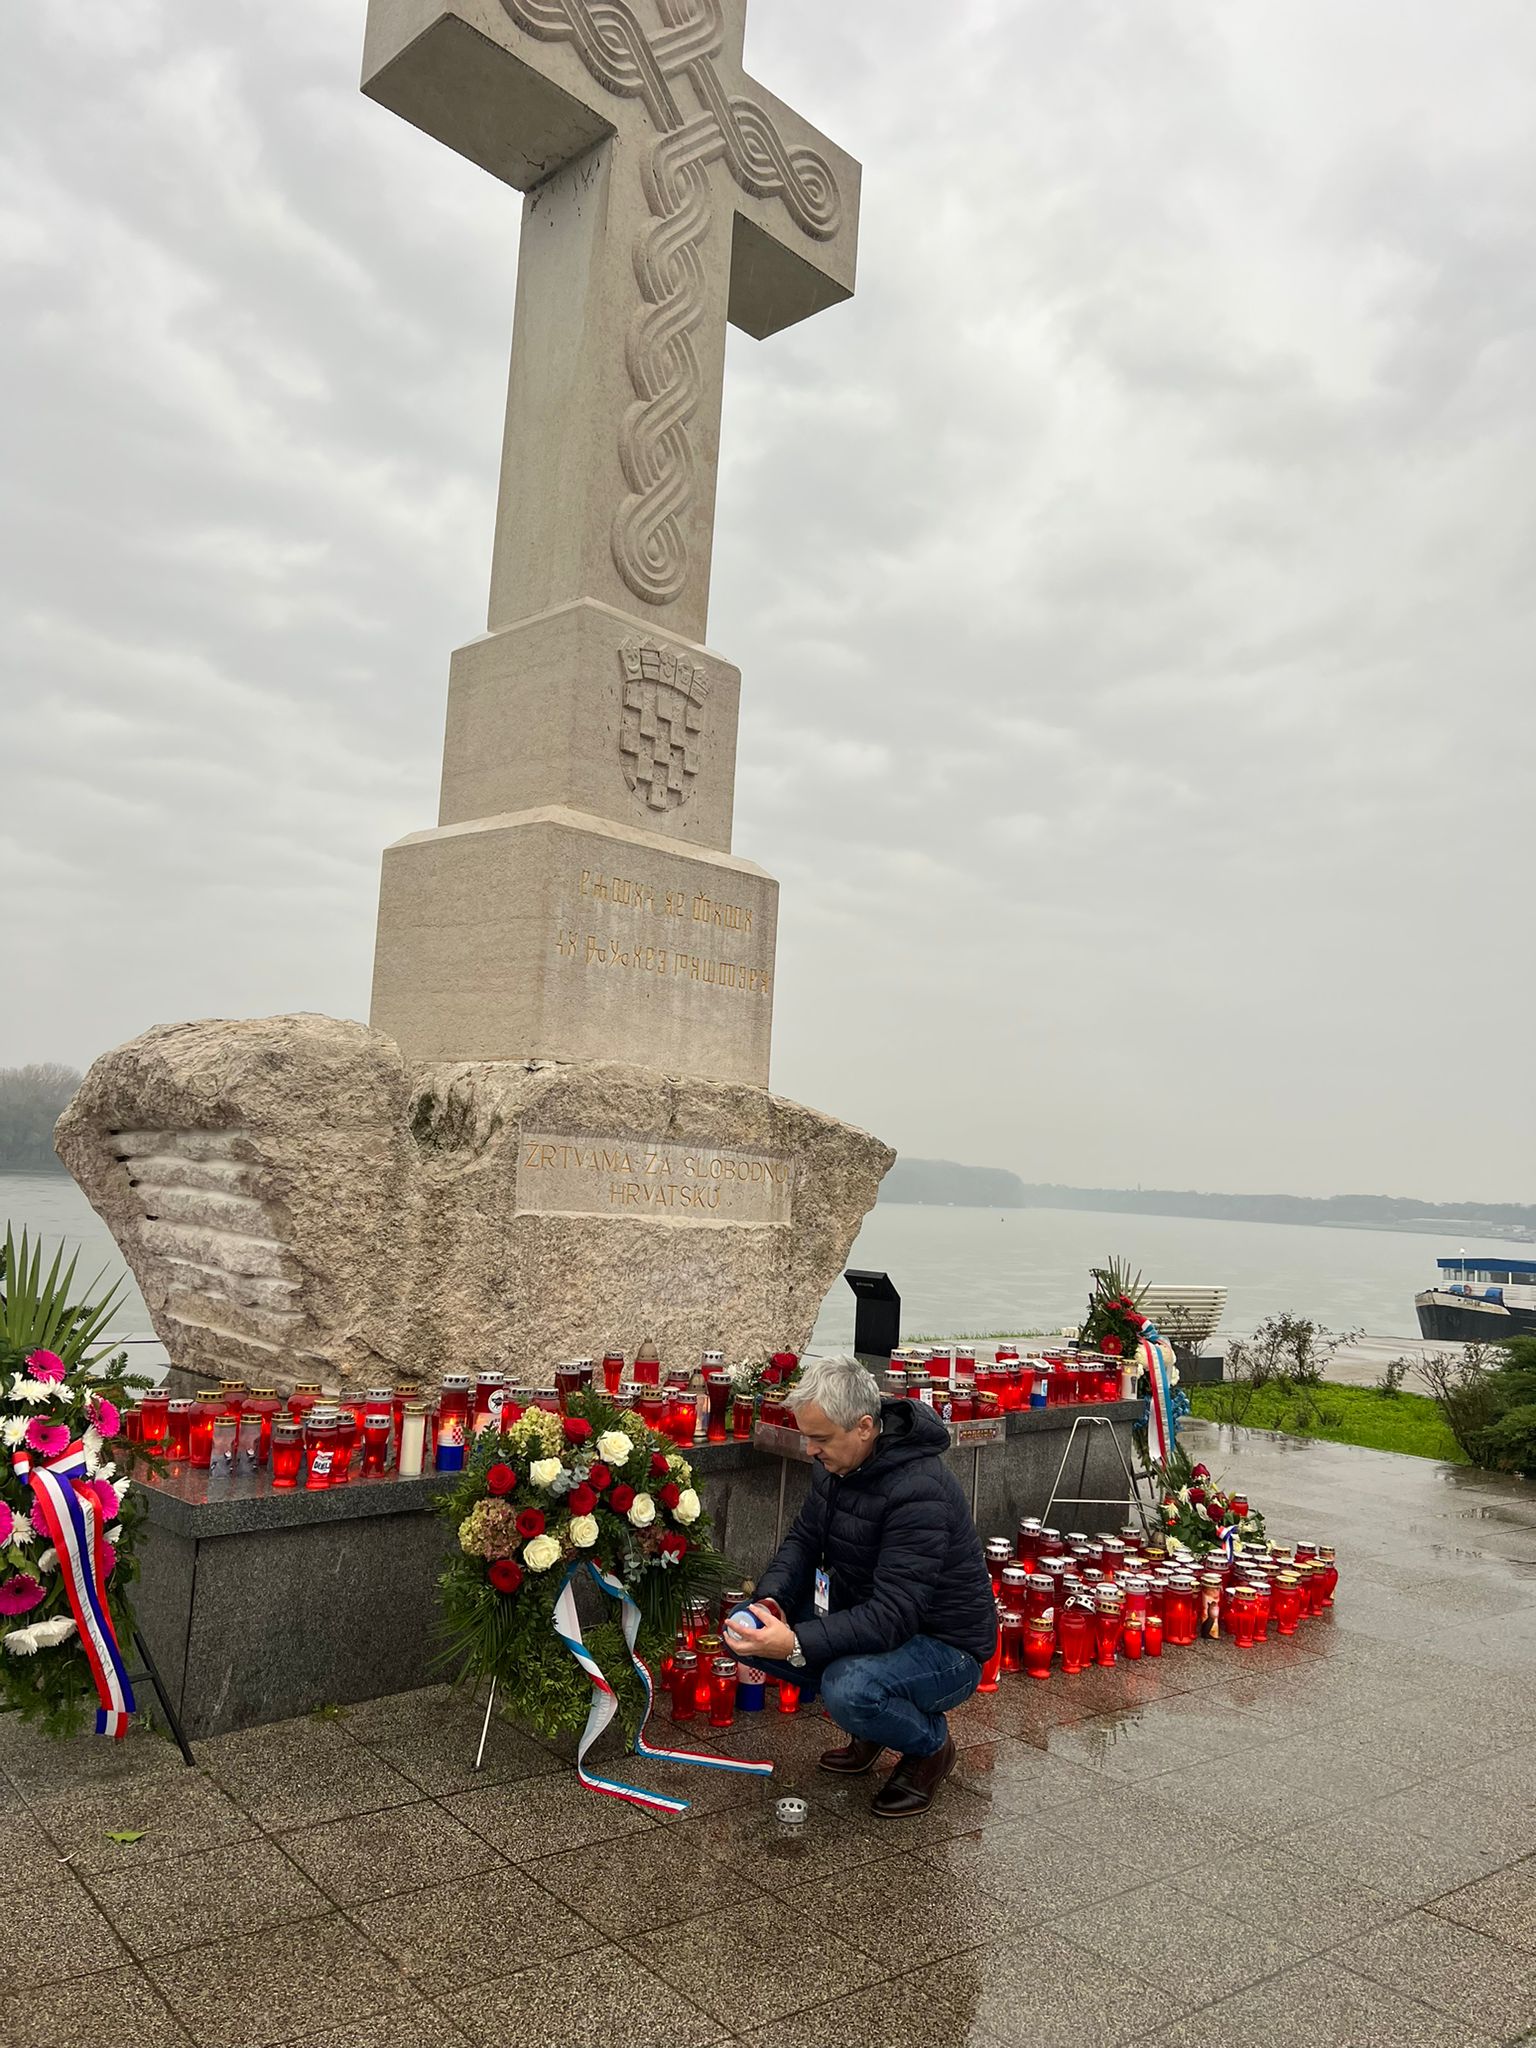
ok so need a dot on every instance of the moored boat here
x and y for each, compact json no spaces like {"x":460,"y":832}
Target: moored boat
{"x":1479,"y":1298}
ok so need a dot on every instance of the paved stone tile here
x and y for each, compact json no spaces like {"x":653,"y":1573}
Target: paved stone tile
{"x":1194,"y":1947}
{"x":211,"y":1896}
{"x":123,"y":2008}
{"x":1230,"y":1792}
{"x":172,"y":1816}
{"x":903,"y":2012}
{"x":1505,"y":1776}
{"x":1372,"y":1851}
{"x":420,"y":2025}
{"x":1306,"y":1905}
{"x":435,"y":1748}
{"x":477,"y":1927}
{"x":278,"y":1986}
{"x":1473,"y":1977}
{"x":528,"y":1818}
{"x":746,"y":1965}
{"x":600,"y":1884}
{"x":1503,"y":1904}
{"x":597,"y":2000}
{"x":1034,"y":1872}
{"x":1047,"y":1992}
{"x":1444,"y":1810}
{"x":1319,"y":2005}
{"x":1118,"y":1822}
{"x":1138,"y":1745}
{"x":753,"y":1845}
{"x":1019,"y":1781}
{"x":955,"y":1811}
{"x":62,"y":1935}
{"x":43,"y":1767}
{"x":293,"y":1774}
{"x":903,"y":1911}
{"x":394,"y":1850}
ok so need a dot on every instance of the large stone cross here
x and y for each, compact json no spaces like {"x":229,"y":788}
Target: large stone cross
{"x":579,"y":898}
{"x":668,"y":193}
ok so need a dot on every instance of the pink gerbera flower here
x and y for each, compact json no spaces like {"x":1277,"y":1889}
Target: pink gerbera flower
{"x":19,"y":1594}
{"x":47,"y":1438}
{"x":7,"y":1524}
{"x":105,"y":1416}
{"x":106,"y":1494}
{"x":46,"y":1365}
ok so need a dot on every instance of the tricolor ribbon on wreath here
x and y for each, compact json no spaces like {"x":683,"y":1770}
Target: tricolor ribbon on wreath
{"x":73,"y":1522}
{"x":1160,"y":1428}
{"x":605,"y":1706}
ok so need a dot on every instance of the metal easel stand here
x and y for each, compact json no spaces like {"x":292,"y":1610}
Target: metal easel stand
{"x":172,"y":1718}
{"x":485,"y":1725}
{"x":1132,"y":1497}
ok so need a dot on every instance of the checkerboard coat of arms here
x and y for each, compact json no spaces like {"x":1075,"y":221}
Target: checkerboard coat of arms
{"x":661,"y":727}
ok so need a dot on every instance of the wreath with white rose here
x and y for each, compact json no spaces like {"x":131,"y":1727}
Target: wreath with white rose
{"x":549,"y":1491}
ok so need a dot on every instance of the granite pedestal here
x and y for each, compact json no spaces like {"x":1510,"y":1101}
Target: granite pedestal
{"x":259,"y":1605}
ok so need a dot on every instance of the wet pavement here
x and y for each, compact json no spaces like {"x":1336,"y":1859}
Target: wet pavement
{"x":1324,"y":1841}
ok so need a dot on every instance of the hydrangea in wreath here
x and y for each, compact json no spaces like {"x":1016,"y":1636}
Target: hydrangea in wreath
{"x":592,"y":1494}
{"x":67,"y":1516}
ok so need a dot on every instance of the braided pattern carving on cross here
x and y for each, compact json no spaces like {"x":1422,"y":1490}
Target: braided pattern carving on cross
{"x":630,"y":263}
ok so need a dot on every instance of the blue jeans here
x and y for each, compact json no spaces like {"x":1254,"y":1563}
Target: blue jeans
{"x":897,"y":1698}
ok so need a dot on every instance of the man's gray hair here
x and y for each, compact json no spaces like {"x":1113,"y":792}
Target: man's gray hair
{"x":842,"y":1389}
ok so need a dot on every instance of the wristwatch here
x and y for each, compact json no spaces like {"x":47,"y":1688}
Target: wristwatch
{"x":796,"y":1655}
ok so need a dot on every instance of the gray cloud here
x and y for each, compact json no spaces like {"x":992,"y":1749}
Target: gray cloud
{"x":1132,"y":585}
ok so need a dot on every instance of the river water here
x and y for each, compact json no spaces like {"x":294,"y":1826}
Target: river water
{"x":963,"y":1272}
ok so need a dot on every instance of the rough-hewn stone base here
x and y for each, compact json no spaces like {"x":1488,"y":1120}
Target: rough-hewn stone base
{"x":297,"y":1203}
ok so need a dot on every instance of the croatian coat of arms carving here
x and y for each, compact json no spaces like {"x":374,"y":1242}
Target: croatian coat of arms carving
{"x":662,"y":723}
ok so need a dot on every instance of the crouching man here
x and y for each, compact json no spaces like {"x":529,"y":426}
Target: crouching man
{"x":879,"y":1595}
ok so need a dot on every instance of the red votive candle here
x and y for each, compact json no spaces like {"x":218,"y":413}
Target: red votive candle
{"x":133,"y":1424}
{"x":1244,"y":1616}
{"x":265,"y":1403}
{"x":233,"y":1393}
{"x":647,"y":1366}
{"x":1152,"y":1634}
{"x":1075,"y":1630}
{"x":1328,"y":1559}
{"x":376,"y":1428}
{"x":993,"y":1665}
{"x":652,"y":1404}
{"x":179,"y":1423}
{"x":154,"y":1415}
{"x":613,"y":1373}
{"x":302,"y":1399}
{"x":1286,"y":1600}
{"x":722,"y":1692}
{"x":347,"y":1434}
{"x":452,"y":1421}
{"x":789,"y":1698}
{"x":1010,"y":1629}
{"x":567,"y":1382}
{"x":208,"y":1406}
{"x":1109,"y":1618}
{"x":741,"y":1418}
{"x":718,"y":1387}
{"x":287,"y":1452}
{"x":999,"y":1553}
{"x":685,"y":1686}
{"x":1039,"y":1646}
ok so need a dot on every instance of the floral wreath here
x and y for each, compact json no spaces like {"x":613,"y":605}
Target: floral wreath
{"x":552,"y":1492}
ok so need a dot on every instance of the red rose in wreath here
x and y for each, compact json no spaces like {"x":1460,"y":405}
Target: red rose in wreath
{"x":670,"y":1494}
{"x":500,"y":1479}
{"x":659,"y":1467}
{"x":622,"y":1499}
{"x":1111,"y":1346}
{"x":1200,"y":1472}
{"x":581,"y":1500}
{"x":577,"y":1429}
{"x":530,"y":1523}
{"x":600,"y":1477}
{"x":506,"y":1575}
{"x":673,"y":1543}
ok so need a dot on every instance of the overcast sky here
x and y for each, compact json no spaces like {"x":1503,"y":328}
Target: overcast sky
{"x":1133,"y":586}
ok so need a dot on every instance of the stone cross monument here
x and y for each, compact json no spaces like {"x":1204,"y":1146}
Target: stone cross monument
{"x":579,"y":899}
{"x":557,"y":1135}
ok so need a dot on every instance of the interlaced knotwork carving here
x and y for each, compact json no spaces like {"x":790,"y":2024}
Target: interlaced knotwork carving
{"x":650,"y":544}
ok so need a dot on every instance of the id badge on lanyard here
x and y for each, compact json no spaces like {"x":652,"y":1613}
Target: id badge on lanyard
{"x":823,"y":1595}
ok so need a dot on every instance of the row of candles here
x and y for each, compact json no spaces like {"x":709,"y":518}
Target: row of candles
{"x":1083,"y":1599}
{"x":317,"y":1436}
{"x":1093,"y":1600}
{"x":962,"y":1388}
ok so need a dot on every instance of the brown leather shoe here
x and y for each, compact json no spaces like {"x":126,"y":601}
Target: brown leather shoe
{"x":910,"y":1788}
{"x":853,"y":1760}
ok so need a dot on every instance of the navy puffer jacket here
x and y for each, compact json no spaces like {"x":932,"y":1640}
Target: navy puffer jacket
{"x":897,"y":1540}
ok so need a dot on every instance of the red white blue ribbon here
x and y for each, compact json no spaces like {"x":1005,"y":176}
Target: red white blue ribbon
{"x":74,"y":1524}
{"x":1160,"y":1406}
{"x":605,"y":1706}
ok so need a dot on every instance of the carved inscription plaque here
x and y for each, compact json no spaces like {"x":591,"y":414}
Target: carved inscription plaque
{"x":560,"y":1175}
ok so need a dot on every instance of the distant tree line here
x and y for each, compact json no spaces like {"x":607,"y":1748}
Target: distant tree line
{"x":943,"y":1181}
{"x":32,"y":1099}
